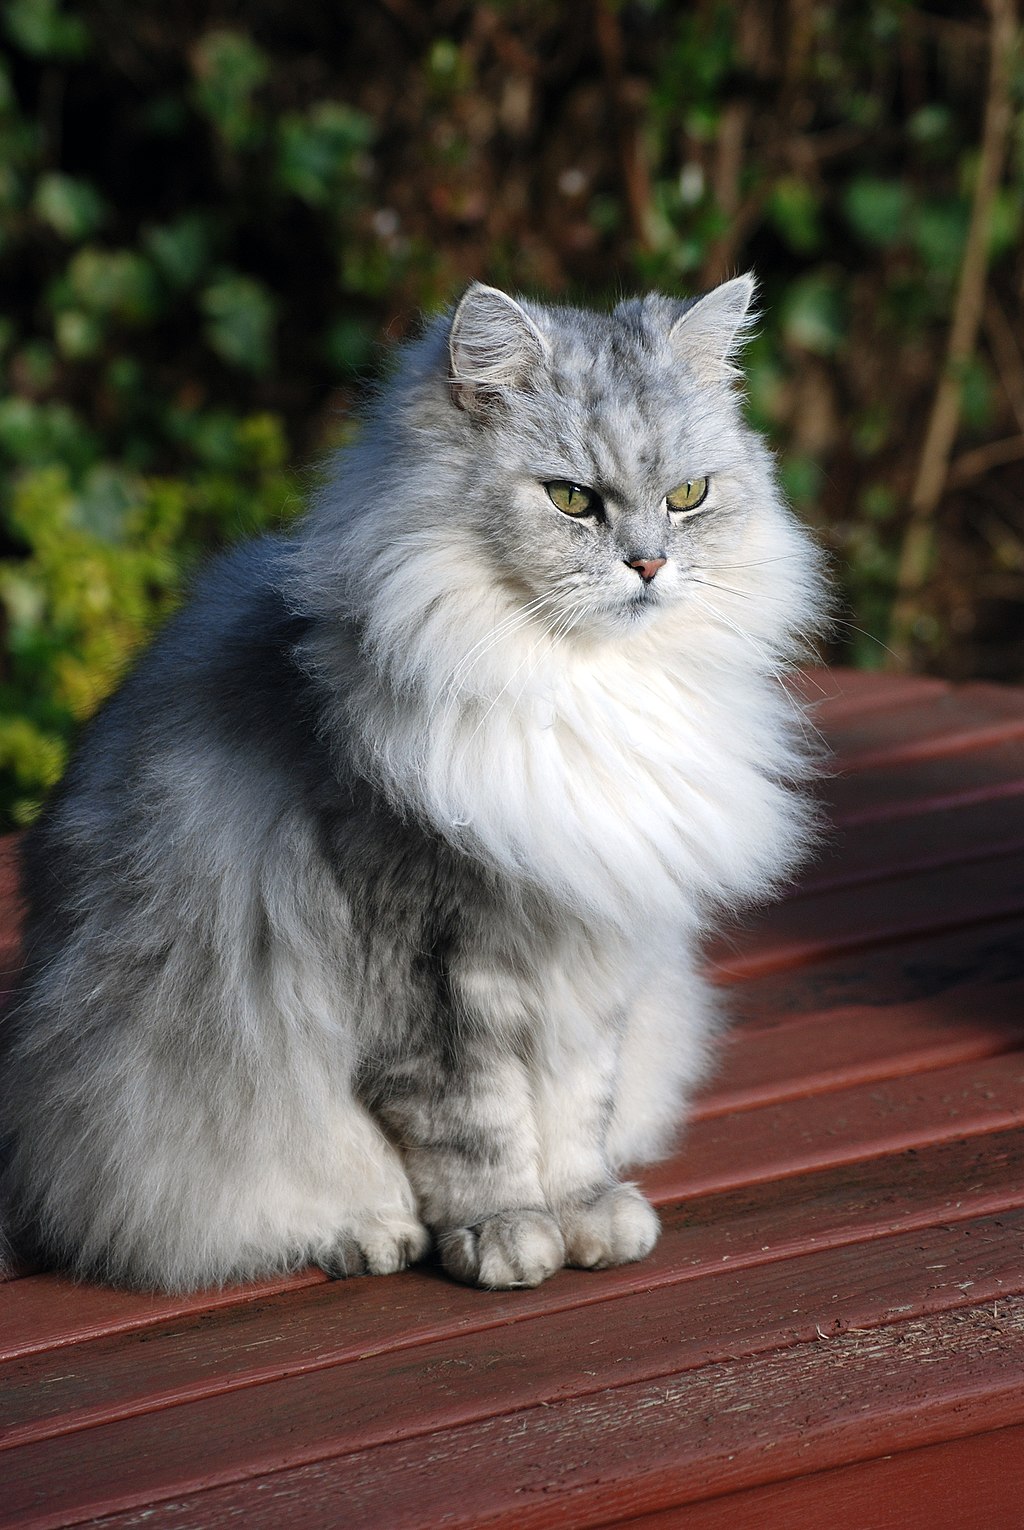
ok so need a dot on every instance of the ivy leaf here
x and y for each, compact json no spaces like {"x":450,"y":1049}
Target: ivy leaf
{"x":121,"y":283}
{"x":39,"y":28}
{"x":229,"y":69}
{"x":813,"y":316}
{"x":240,"y":315}
{"x":180,"y":250}
{"x":877,"y":210}
{"x":321,"y":150}
{"x":71,"y":207}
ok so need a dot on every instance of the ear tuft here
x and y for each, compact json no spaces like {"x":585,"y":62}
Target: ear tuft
{"x":714,"y":329}
{"x":494,"y":345}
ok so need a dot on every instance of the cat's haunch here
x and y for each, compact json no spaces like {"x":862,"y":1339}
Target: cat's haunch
{"x":368,"y":915}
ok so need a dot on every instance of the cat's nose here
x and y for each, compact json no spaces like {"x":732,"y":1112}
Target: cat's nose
{"x":647,"y":567}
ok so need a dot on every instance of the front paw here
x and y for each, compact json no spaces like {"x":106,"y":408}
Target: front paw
{"x":618,"y":1226}
{"x":374,"y":1246}
{"x":510,"y":1248}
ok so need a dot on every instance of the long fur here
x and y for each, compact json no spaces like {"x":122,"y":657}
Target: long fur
{"x":369,"y":911}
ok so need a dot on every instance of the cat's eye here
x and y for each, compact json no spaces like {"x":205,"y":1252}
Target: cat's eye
{"x":689,"y":495}
{"x":572,"y":498}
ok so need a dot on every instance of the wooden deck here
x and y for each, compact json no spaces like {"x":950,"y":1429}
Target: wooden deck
{"x":830,"y":1332}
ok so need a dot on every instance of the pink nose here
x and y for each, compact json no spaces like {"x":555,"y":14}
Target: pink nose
{"x":647,"y":567}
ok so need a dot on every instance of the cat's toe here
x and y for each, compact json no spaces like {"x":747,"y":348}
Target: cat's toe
{"x":511,"y":1248}
{"x":373,"y":1248}
{"x":617,"y":1227}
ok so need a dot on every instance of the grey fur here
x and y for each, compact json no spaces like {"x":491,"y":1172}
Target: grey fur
{"x":368,"y":909}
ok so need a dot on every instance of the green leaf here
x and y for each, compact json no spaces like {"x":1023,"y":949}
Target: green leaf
{"x":71,"y":207}
{"x":802,"y":479}
{"x":322,"y":151}
{"x":120,"y":283}
{"x":39,"y":28}
{"x":939,"y":232}
{"x":794,"y":210}
{"x":180,"y":250}
{"x":229,"y":69}
{"x":877,"y":210}
{"x":349,"y":345}
{"x":813,"y":315}
{"x":240,"y":315}
{"x":79,"y":335}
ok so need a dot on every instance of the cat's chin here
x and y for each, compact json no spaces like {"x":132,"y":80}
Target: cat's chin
{"x":638,"y":612}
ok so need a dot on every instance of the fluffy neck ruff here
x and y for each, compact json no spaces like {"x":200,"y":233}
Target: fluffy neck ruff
{"x":630,"y":780}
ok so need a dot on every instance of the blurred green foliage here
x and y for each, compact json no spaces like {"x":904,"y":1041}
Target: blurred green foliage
{"x":210,"y":221}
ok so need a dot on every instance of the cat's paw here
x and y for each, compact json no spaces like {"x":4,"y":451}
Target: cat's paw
{"x":617,"y":1227}
{"x":510,"y":1248}
{"x":372,"y":1247}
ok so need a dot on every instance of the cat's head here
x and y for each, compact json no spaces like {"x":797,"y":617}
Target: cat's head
{"x":608,"y":461}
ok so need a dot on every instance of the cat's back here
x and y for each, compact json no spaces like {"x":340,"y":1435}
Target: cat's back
{"x":214,"y":725}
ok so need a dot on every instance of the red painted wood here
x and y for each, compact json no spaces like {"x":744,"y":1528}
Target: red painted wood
{"x":819,"y":1131}
{"x":331,"y":1410}
{"x":839,"y":693}
{"x":995,"y":771}
{"x":643,"y":1446}
{"x":741,"y":1228}
{"x":765,"y":1066}
{"x":808,"y":928}
{"x":735,"y":1229}
{"x":47,"y":1311}
{"x":955,"y":972}
{"x":726,"y":1313}
{"x":973,"y":1483}
{"x":949,"y":836}
{"x":967,"y":717}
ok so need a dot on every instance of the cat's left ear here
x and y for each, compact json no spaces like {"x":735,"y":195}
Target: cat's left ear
{"x":493,"y":345}
{"x":708,"y":335}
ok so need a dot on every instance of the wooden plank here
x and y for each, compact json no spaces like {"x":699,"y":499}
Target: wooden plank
{"x":950,"y":836}
{"x":825,"y":1130}
{"x":646,"y":1446}
{"x":783,"y":1062}
{"x":838,"y":692}
{"x":107,"y":1380}
{"x":972,"y":1483}
{"x":330,"y":1409}
{"x":926,"y":786}
{"x":918,"y":728}
{"x":956,"y":972}
{"x":741,"y":1228}
{"x":50,"y":1311}
{"x":804,"y":929}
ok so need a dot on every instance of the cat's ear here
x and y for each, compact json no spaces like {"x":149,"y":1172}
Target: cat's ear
{"x":493,"y":345}
{"x":708,"y":335}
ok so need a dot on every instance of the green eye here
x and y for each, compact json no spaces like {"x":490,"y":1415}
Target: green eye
{"x":571,"y":498}
{"x":689,"y":495}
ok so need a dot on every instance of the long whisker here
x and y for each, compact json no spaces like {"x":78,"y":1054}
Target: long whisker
{"x":452,"y":685}
{"x":551,"y":632}
{"x":771,"y":669}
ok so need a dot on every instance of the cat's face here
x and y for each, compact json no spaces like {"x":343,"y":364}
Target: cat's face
{"x":614,"y":472}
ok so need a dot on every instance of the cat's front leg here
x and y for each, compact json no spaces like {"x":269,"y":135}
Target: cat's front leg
{"x":603,"y":1221}
{"x":465,"y":1123}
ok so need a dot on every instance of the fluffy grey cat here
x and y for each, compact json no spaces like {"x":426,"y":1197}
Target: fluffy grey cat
{"x":368,"y":914}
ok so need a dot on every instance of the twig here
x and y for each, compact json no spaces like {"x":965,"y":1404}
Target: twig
{"x":933,"y":467}
{"x":993,"y":454}
{"x":1006,"y":353}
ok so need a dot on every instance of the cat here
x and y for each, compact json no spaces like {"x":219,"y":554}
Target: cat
{"x":367,"y":917}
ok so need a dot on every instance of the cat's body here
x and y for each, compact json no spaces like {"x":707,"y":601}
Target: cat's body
{"x":371,"y":903}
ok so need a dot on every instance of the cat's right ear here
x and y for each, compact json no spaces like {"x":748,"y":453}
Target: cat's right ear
{"x":494,"y":345}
